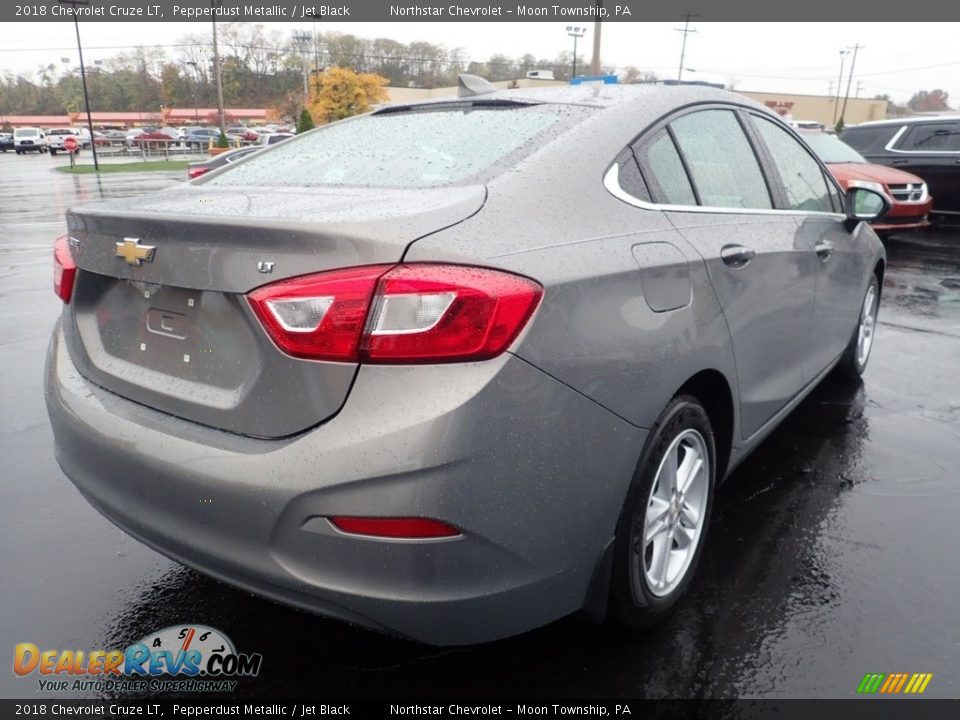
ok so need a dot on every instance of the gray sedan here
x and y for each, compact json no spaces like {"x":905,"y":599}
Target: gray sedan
{"x":455,"y":370}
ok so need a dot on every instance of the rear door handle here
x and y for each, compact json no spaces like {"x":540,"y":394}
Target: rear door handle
{"x":824,"y":250}
{"x":736,"y":256}
{"x":899,"y":162}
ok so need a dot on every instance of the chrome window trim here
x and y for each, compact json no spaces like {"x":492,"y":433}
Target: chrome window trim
{"x":611,"y":181}
{"x":893,"y":141}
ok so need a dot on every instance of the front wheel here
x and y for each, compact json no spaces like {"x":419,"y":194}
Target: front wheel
{"x":855,"y":357}
{"x":663,"y":524}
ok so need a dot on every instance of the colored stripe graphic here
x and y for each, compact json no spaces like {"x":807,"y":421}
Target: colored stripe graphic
{"x":894,"y":683}
{"x":870,"y":683}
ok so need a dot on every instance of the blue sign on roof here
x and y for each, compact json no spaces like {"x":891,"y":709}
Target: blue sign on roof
{"x":605,"y":79}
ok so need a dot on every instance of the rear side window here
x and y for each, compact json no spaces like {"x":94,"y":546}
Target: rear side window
{"x":870,"y":138}
{"x":721,"y":161}
{"x":931,"y":137}
{"x":803,"y":181}
{"x":407,"y":149}
{"x":664,"y":170}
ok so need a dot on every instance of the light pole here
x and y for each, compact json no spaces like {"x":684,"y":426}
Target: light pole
{"x":576,"y":32}
{"x":216,"y":71}
{"x":83,"y":77}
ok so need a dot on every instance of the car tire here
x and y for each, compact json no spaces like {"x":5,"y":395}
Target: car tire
{"x":53,"y":152}
{"x":854,"y":359}
{"x":663,"y":525}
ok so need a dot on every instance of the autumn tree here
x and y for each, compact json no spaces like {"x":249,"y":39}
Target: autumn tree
{"x":339,"y":93}
{"x":929,"y":101}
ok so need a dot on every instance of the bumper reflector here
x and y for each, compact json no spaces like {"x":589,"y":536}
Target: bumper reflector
{"x":387,"y":527}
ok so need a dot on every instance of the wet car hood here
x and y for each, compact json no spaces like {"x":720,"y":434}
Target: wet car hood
{"x":845,"y":172}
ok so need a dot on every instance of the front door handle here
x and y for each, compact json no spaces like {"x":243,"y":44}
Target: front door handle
{"x":899,"y":162}
{"x":736,"y":256}
{"x":824,"y":250}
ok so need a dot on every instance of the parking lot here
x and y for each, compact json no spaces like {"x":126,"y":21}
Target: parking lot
{"x":833,"y":548}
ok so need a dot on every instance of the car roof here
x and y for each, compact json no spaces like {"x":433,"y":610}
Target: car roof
{"x":595,"y":95}
{"x":908,"y":121}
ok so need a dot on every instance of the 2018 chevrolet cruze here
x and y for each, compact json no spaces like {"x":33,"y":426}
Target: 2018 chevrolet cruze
{"x":457,"y":369}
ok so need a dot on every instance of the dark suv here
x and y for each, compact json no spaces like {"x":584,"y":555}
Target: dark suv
{"x":925,"y":146}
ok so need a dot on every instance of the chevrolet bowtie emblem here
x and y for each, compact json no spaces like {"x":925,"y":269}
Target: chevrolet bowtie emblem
{"x":134,"y":253}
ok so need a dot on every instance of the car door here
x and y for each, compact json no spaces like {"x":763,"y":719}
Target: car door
{"x":932,"y":151}
{"x":810,"y":193}
{"x":703,"y":169}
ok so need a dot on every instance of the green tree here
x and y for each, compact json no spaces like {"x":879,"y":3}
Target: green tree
{"x":304,"y":122}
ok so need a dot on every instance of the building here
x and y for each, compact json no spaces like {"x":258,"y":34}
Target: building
{"x":821,"y":108}
{"x":140,"y":118}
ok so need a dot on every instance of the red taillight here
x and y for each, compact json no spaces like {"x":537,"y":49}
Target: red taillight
{"x":197,"y":172}
{"x":404,"y":314}
{"x":321,"y":316}
{"x":386,"y":527}
{"x":64,"y":268}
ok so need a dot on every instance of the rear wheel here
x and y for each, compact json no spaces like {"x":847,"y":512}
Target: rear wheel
{"x":855,"y":357}
{"x":663,"y":524}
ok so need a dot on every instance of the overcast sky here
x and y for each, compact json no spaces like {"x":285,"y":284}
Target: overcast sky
{"x":898,"y":58}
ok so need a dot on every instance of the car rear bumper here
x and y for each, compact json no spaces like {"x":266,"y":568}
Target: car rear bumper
{"x":532,"y":472}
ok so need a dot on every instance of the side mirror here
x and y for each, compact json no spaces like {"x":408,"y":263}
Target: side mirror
{"x":866,"y":201}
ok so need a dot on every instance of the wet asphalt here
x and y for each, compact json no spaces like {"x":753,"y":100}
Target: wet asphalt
{"x":834,"y":551}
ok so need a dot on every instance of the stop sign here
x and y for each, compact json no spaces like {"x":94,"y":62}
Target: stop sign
{"x":70,"y":144}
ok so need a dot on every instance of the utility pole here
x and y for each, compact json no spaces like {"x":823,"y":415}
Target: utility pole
{"x":83,"y":78}
{"x":859,"y":88}
{"x":216,"y":70}
{"x":597,"y":25}
{"x":836,"y":102}
{"x":683,"y":48}
{"x":302,"y":40}
{"x":853,"y":62}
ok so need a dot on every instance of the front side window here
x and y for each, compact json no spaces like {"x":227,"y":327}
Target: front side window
{"x":803,"y":180}
{"x":721,"y":161}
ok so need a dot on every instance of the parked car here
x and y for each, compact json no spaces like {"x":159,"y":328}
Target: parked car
{"x":6,"y":142}
{"x":910,"y":202}
{"x":202,"y":167}
{"x":56,"y":138}
{"x":243,"y":133}
{"x":199,"y":138}
{"x":925,"y":146}
{"x":29,"y":139}
{"x":101,"y":139}
{"x":272,"y":138}
{"x":152,"y":139}
{"x":419,"y":371}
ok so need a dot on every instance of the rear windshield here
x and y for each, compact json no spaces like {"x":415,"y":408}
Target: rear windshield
{"x":405,"y":149}
{"x":26,"y":132}
{"x":831,"y":149}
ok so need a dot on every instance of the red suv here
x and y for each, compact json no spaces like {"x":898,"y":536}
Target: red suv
{"x":910,"y":201}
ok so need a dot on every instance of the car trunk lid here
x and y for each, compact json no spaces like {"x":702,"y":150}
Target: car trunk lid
{"x":159,"y":313}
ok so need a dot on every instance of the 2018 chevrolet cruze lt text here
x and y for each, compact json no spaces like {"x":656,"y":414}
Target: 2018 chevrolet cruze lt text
{"x":457,"y":369}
